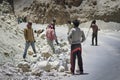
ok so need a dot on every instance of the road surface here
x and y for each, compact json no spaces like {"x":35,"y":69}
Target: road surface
{"x":101,"y":62}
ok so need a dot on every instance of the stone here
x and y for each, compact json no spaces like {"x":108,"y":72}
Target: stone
{"x":6,"y":54}
{"x":30,"y":52}
{"x":43,"y":36}
{"x":61,"y":69}
{"x":24,"y":66}
{"x":46,"y":55}
{"x":42,"y":65}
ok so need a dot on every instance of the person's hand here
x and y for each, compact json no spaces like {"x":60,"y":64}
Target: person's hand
{"x":27,"y":41}
{"x":98,"y":29}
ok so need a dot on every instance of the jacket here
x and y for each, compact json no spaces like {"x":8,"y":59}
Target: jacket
{"x":76,"y":36}
{"x":50,"y":34}
{"x":29,"y":35}
{"x":94,"y":28}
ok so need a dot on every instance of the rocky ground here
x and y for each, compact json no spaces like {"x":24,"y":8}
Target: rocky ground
{"x":49,"y":66}
{"x":42,"y":11}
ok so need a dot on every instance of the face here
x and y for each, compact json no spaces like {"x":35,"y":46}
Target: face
{"x":29,"y":26}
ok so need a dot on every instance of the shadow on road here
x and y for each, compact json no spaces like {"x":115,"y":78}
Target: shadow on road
{"x":82,"y":74}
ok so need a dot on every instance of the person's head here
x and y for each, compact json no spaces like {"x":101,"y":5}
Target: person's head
{"x":53,"y":21}
{"x":29,"y":24}
{"x":69,"y":22}
{"x":76,"y":23}
{"x":94,"y":22}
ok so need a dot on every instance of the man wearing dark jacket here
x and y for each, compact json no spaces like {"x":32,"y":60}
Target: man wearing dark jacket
{"x":95,"y":32}
{"x":75,"y":37}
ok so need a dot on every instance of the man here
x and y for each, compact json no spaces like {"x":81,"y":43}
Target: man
{"x":50,"y":35}
{"x":30,"y":40}
{"x":75,"y":37}
{"x":95,"y":32}
{"x":53,"y":25}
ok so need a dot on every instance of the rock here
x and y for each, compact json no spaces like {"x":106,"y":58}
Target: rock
{"x":61,"y":69}
{"x":0,"y":26}
{"x":65,"y":49}
{"x":46,"y":55}
{"x":6,"y":54}
{"x":46,"y":49}
{"x":58,"y":50}
{"x":51,"y":74}
{"x":43,"y":65}
{"x":24,"y":66}
{"x":19,"y":46}
{"x":37,"y":73}
{"x":43,"y":36}
{"x":54,"y":65}
{"x":30,"y":52}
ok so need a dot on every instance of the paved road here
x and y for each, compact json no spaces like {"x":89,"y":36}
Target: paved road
{"x":101,"y":62}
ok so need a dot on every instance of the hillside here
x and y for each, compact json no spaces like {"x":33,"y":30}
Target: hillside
{"x":42,"y":11}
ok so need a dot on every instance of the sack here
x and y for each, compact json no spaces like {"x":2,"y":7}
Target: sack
{"x":50,"y":34}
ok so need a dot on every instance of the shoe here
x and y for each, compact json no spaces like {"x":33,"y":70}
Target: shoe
{"x":34,"y":55}
{"x":96,"y":45}
{"x":81,"y":73}
{"x":72,"y":73}
{"x":24,"y":59}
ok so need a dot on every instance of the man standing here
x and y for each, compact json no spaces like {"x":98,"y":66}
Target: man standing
{"x":53,"y":25}
{"x":75,"y":37}
{"x":30,"y":40}
{"x":50,"y":35}
{"x":95,"y":32}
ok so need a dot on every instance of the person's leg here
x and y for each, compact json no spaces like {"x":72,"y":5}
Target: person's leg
{"x":80,"y":63}
{"x":92,"y":38}
{"x":56,"y":40}
{"x":72,"y":59}
{"x":33,"y":47}
{"x":27,"y":44}
{"x":50,"y":43}
{"x":96,"y":38}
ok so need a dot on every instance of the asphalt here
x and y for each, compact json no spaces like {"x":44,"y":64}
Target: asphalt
{"x":101,"y":62}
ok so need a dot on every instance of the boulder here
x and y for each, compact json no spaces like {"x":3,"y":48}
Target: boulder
{"x":61,"y":69}
{"x":25,"y":67}
{"x":46,"y":55}
{"x":42,"y":65}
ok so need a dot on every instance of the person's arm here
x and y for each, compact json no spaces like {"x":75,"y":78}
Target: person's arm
{"x":70,"y":36}
{"x":53,"y":33}
{"x":33,"y":35}
{"x":83,"y":37}
{"x":91,"y":25}
{"x":25,"y":34}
